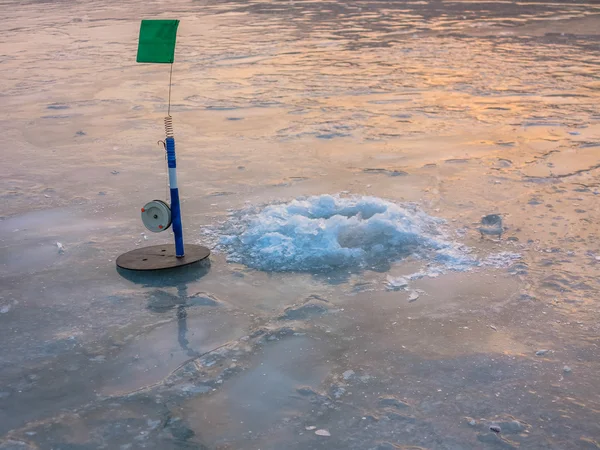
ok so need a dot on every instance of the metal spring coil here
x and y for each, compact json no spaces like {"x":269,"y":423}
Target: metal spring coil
{"x":169,"y":126}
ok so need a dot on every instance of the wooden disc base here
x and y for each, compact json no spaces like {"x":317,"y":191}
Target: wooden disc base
{"x":159,"y":257}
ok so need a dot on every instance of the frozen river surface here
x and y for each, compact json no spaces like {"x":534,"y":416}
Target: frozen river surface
{"x":338,"y":158}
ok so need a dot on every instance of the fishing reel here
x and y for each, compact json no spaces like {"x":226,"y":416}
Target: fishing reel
{"x":156,"y":216}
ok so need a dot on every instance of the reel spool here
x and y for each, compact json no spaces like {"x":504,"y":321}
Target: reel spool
{"x":156,"y":216}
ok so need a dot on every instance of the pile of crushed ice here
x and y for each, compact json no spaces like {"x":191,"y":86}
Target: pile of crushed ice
{"x":331,"y":232}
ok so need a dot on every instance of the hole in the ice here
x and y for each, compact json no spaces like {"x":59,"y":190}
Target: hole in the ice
{"x":324,"y":233}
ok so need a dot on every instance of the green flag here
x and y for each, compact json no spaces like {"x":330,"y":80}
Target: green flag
{"x":157,"y":41}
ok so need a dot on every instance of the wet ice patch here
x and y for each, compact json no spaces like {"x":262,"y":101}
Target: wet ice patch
{"x":331,"y":232}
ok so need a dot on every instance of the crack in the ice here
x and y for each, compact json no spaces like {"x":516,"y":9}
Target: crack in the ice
{"x":564,"y":175}
{"x":187,"y":361}
{"x":542,"y":156}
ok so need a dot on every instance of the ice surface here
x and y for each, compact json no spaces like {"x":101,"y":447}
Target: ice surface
{"x":501,"y":260}
{"x":331,"y":231}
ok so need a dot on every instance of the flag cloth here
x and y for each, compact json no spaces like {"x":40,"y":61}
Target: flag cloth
{"x":157,"y":41}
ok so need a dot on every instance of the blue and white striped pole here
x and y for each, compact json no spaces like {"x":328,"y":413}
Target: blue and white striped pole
{"x":175,"y":206}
